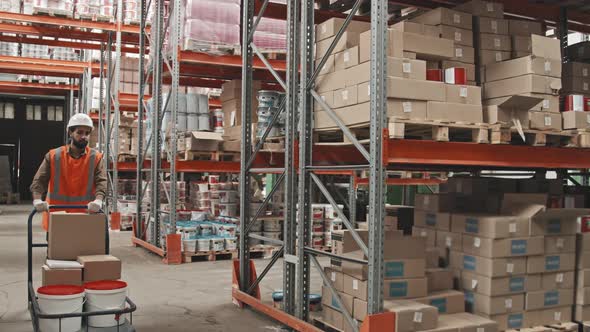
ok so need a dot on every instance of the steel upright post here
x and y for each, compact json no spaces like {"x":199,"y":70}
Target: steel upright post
{"x":140,"y":120}
{"x":116,"y":108}
{"x":175,"y":40}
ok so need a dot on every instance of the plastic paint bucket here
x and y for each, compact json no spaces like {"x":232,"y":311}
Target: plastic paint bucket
{"x":105,"y":295}
{"x":203,"y":244}
{"x":228,"y":196}
{"x":218,"y":244}
{"x":60,"y":299}
{"x":231,"y":243}
{"x":206,"y":229}
{"x":230,"y":210}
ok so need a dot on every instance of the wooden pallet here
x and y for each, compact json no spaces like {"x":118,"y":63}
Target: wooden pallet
{"x":273,"y":144}
{"x":263,"y":251}
{"x":96,"y":18}
{"x":209,"y":155}
{"x":438,"y":131}
{"x":580,"y":138}
{"x":52,"y":12}
{"x":337,"y":136}
{"x":210,"y":256}
{"x":501,"y":135}
{"x":126,"y":157}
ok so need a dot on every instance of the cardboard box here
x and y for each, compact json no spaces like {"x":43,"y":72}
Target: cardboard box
{"x":469,"y":68}
{"x":329,"y":66}
{"x":233,"y":89}
{"x":576,"y":69}
{"x":492,"y":268}
{"x":412,"y":316}
{"x":329,"y":300}
{"x":447,"y":302}
{"x":499,"y":286}
{"x":493,"y":25}
{"x":468,"y":185}
{"x":557,"y":280}
{"x":330,"y":27}
{"x":439,"y":202}
{"x":459,"y":36}
{"x":465,"y":54}
{"x":428,"y":234}
{"x":346,"y":97}
{"x":330,"y":82}
{"x":544,"y":120}
{"x":482,"y":324}
{"x":428,"y":48}
{"x":583,"y":296}
{"x":448,"y":240}
{"x":576,"y":120}
{"x":395,"y":45}
{"x":406,"y":109}
{"x":576,"y":85}
{"x":355,"y":287}
{"x":524,"y":28}
{"x":327,"y":97}
{"x":583,"y":278}
{"x":454,"y":112}
{"x":557,"y":221}
{"x":522,"y":84}
{"x":488,"y":57}
{"x":419,"y":28}
{"x":550,"y":316}
{"x":503,"y":247}
{"x":545,"y":47}
{"x":522,"y":44}
{"x":490,"y":226}
{"x":203,"y":141}
{"x":583,"y":244}
{"x":359,"y":309}
{"x":549,"y":298}
{"x":346,"y":58}
{"x":333,"y":317}
{"x":100,"y":267}
{"x":445,"y":16}
{"x":494,"y":305}
{"x":405,"y":268}
{"x":439,"y":221}
{"x":439,"y":279}
{"x":482,"y":8}
{"x":405,"y":288}
{"x":560,"y":244}
{"x":403,"y":88}
{"x":75,"y":234}
{"x":492,"y":41}
{"x":336,"y":277}
{"x":523,"y":66}
{"x":496,"y":115}
{"x":463,"y":94}
{"x":582,"y":313}
{"x":432,"y":257}
{"x":349,"y":39}
{"x":551,"y":263}
{"x":396,"y":67}
{"x":60,"y":276}
{"x":514,"y":320}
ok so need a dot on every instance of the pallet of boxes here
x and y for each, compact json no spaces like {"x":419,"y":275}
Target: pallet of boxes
{"x":439,"y":109}
{"x":127,"y":138}
{"x":576,"y":93}
{"x":231,"y":105}
{"x":582,"y":305}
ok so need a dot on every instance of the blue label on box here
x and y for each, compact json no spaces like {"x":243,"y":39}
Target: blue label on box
{"x":469,"y":263}
{"x":552,"y":263}
{"x":518,"y":247}
{"x":398,"y":289}
{"x":516,"y":284}
{"x":335,"y":303}
{"x":553,"y":226}
{"x":440,"y":304}
{"x":472,"y":225}
{"x":515,"y":321}
{"x":431,"y":219}
{"x":551,"y":298}
{"x":394,"y":269}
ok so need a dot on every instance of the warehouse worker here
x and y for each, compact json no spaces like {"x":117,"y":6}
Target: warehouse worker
{"x":72,"y":174}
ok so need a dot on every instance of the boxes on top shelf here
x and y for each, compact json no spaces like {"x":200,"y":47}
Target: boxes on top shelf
{"x":493,"y":25}
{"x":523,"y":66}
{"x":330,"y":27}
{"x":524,"y":28}
{"x":445,"y":16}
{"x":482,"y":8}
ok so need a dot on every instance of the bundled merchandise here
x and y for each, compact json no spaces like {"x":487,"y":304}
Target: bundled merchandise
{"x":230,"y":115}
{"x":35,"y":51}
{"x":131,"y":11}
{"x":204,"y":236}
{"x":197,"y":111}
{"x":63,"y":53}
{"x":576,"y":94}
{"x":11,"y":6}
{"x":268,"y":105}
{"x":61,"y":7}
{"x":325,"y":221}
{"x":219,"y":199}
{"x":165,"y":191}
{"x":129,"y":75}
{"x":271,"y":35}
{"x":8,"y":49}
{"x":96,"y":9}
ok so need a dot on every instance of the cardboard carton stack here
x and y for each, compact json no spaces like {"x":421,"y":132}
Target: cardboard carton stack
{"x":231,"y":104}
{"x":520,"y":34}
{"x":537,"y":76}
{"x":582,"y":308}
{"x":576,"y":95}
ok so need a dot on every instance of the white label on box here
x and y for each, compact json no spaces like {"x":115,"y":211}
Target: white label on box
{"x":457,"y":36}
{"x":355,"y":284}
{"x":423,"y":234}
{"x":557,"y":315}
{"x":418,"y":317}
{"x":369,"y":90}
{"x":546,"y":103}
{"x":490,"y":7}
{"x":449,"y":241}
{"x":547,"y":120}
{"x":324,"y":29}
{"x":473,"y":284}
{"x":585,"y":86}
{"x":588,"y":118}
{"x":345,"y":94}
{"x":459,"y":52}
{"x":509,"y":267}
{"x":559,"y":278}
{"x":323,"y":98}
{"x":559,"y":243}
{"x":508,"y":303}
{"x":457,"y":18}
{"x":333,"y":277}
{"x":407,"y":67}
{"x":547,"y":67}
{"x":463,"y":92}
{"x":584,"y":72}
{"x":232,"y":118}
{"x":477,"y":242}
{"x":512,"y":228}
{"x":494,"y":26}
{"x":498,"y":56}
{"x":346,"y":56}
{"x":497,"y":42}
{"x":407,"y":105}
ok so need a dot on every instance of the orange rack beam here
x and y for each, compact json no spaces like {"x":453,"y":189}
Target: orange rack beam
{"x":41,"y":89}
{"x":45,"y":67}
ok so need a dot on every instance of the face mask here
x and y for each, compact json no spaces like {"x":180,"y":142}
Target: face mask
{"x":80,"y":145}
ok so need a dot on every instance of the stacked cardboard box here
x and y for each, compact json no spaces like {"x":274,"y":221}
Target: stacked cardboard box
{"x":129,"y":75}
{"x":520,"y":34}
{"x":127,"y":135}
{"x":576,"y":94}
{"x":231,"y":105}
{"x":582,"y":309}
{"x":538,"y":76}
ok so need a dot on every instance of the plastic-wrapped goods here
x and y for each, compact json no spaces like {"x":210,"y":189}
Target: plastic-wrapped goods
{"x":8,"y":49}
{"x":63,"y":53}
{"x":96,"y":9}
{"x":61,"y":7}
{"x":35,"y":51}
{"x":270,"y":41}
{"x":211,"y":25}
{"x":11,"y":6}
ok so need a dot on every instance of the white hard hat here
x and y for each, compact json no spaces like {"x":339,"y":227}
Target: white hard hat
{"x":80,"y":119}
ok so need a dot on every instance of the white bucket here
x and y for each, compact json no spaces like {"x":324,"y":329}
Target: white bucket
{"x":105,"y":295}
{"x":256,"y":226}
{"x":203,"y":244}
{"x":204,"y":122}
{"x":228,"y":196}
{"x":192,"y":122}
{"x":189,"y":245}
{"x":231,"y":243}
{"x":206,"y":229}
{"x":218,"y":244}
{"x":60,"y":300}
{"x":230,"y":210}
{"x":203,"y":186}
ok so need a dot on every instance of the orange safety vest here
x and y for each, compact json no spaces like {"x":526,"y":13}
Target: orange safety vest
{"x":72,"y":180}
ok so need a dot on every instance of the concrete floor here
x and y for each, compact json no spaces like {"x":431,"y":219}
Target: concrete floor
{"x":185,"y":297}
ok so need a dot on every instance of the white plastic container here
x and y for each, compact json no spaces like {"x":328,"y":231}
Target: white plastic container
{"x":228,"y":196}
{"x":203,"y":186}
{"x":231,"y":243}
{"x":105,"y":295}
{"x":60,"y":299}
{"x":218,"y":244}
{"x":273,"y":225}
{"x":230,"y":210}
{"x":206,"y":229}
{"x":203,"y":244}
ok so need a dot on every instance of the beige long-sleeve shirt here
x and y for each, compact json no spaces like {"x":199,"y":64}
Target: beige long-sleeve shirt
{"x":41,"y":180}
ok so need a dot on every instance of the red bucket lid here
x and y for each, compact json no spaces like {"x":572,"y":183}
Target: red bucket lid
{"x":60,"y":290}
{"x":105,"y":285}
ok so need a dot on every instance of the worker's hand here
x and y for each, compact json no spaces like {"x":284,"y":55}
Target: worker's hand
{"x":40,"y":205}
{"x":95,"y":205}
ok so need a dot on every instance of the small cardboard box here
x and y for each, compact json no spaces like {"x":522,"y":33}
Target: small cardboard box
{"x":447,"y":302}
{"x":60,"y":276}
{"x":405,"y":288}
{"x":499,"y":286}
{"x":406,"y":109}
{"x":439,"y":221}
{"x":327,"y":97}
{"x":560,"y":244}
{"x":459,"y":36}
{"x":490,"y":226}
{"x":576,"y":69}
{"x":523,"y":66}
{"x":557,"y":221}
{"x":583,"y":296}
{"x":445,"y":16}
{"x":576,"y":85}
{"x":333,"y":317}
{"x":404,"y":88}
{"x":524,"y":28}
{"x":583,"y":278}
{"x":75,"y":234}
{"x":492,"y":41}
{"x":346,"y":97}
{"x":482,"y":324}
{"x":465,"y":54}
{"x":332,"y":81}
{"x":463,"y":94}
{"x":482,"y":8}
{"x":454,"y":112}
{"x":355,"y":287}
{"x":522,"y":44}
{"x":328,"y":66}
{"x":468,"y":185}
{"x":406,"y":68}
{"x":100,"y":267}
{"x":493,"y":25}
{"x":427,"y":233}
{"x":359,"y":309}
{"x":233,"y":89}
{"x":544,"y":120}
{"x":582,"y":313}
{"x":349,"y":39}
{"x":439,"y":279}
{"x":494,"y":305}
{"x":440,"y":202}
{"x":583,"y":244}
{"x":404,"y":269}
{"x":449,"y":240}
{"x":330,"y":27}
{"x":550,"y":316}
{"x":203,"y":141}
{"x":523,"y":84}
{"x":432,"y":257}
{"x":493,"y":268}
{"x":336,"y":277}
{"x":412,"y":316}
{"x":545,"y":47}
{"x":557,"y":280}
{"x":503,"y":247}
{"x":329,"y":300}
{"x":516,"y":320}
{"x":346,"y":58}
{"x":576,"y":120}
{"x":488,"y":57}
{"x":428,"y":48}
{"x":549,"y":298}
{"x":395,"y":45}
{"x":469,"y":68}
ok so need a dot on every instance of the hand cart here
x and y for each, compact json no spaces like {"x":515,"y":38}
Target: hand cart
{"x":34,"y":309}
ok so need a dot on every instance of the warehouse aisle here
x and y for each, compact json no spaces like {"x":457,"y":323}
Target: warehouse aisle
{"x":188,"y":297}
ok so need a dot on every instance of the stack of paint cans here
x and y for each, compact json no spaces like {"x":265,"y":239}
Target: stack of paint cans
{"x":268,"y":106}
{"x":317,"y":222}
